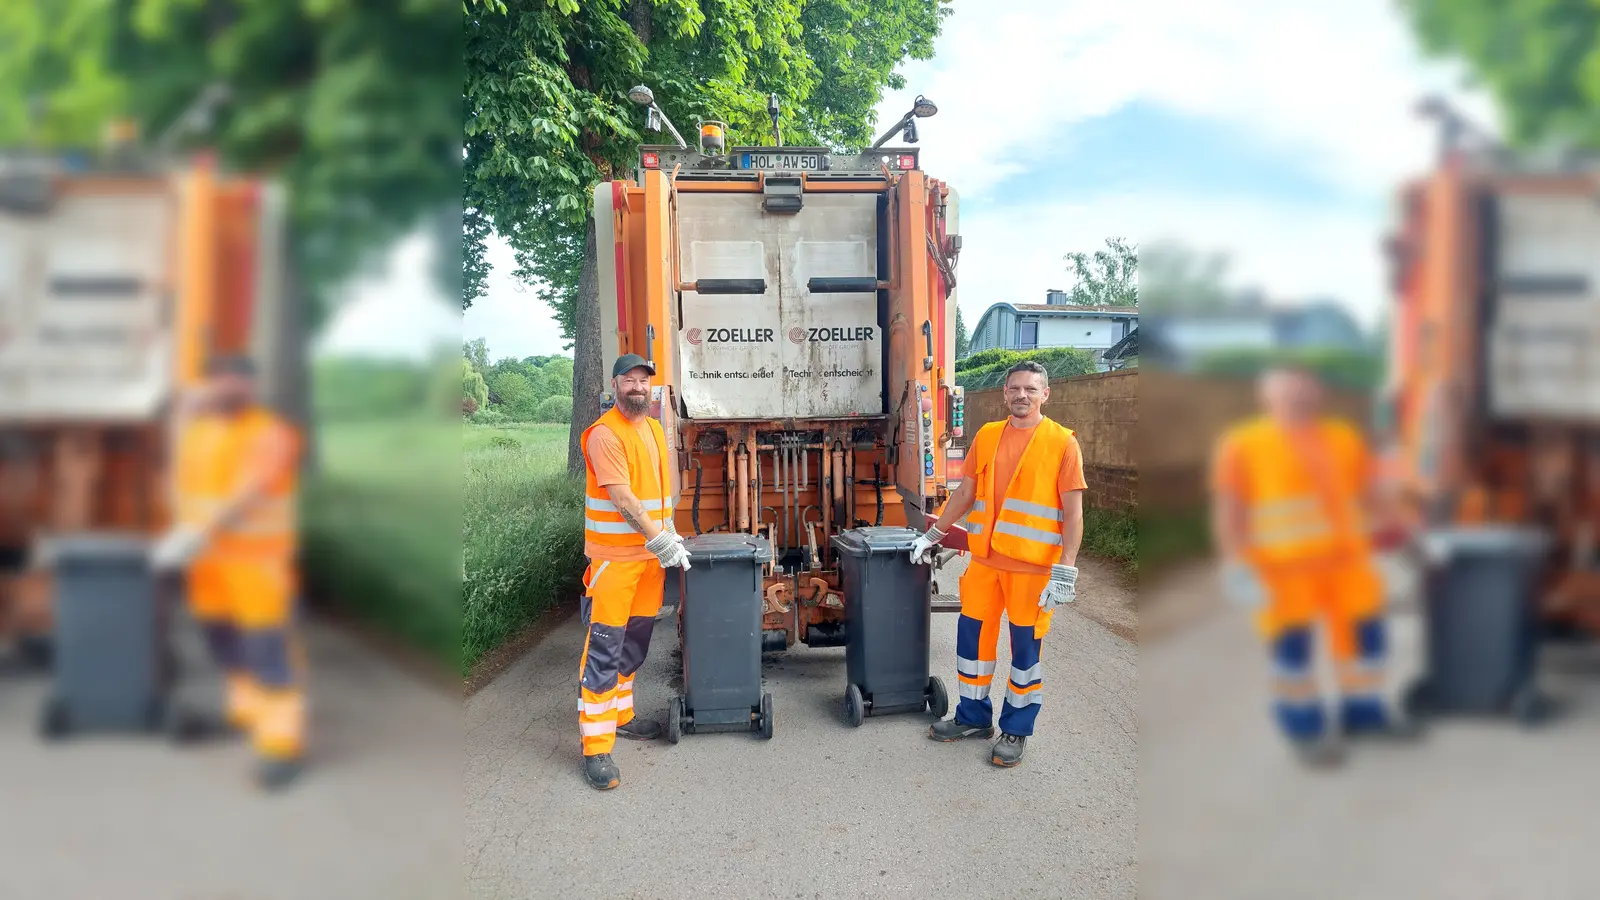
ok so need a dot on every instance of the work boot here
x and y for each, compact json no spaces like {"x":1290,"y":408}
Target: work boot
{"x":640,"y":730}
{"x":190,"y":726}
{"x":601,"y":772}
{"x":1007,"y":751}
{"x":277,"y":774}
{"x":952,"y":730}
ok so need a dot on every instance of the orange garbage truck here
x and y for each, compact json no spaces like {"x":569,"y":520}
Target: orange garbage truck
{"x":1494,"y":398}
{"x":799,"y":307}
{"x":120,"y":276}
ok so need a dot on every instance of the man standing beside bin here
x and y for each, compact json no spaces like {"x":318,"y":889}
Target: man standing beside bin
{"x":631,"y":542}
{"x":1295,"y":493}
{"x":235,"y":479}
{"x":1022,"y":499}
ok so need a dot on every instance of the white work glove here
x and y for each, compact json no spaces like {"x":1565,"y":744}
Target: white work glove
{"x":1240,"y":584}
{"x":922,"y":547}
{"x":1063,"y":587}
{"x":671,"y":529}
{"x":176,"y":549}
{"x":669,"y":549}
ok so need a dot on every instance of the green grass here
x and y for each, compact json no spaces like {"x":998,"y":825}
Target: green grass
{"x":522,"y":531}
{"x":1111,"y":535}
{"x":381,"y":528}
{"x":1170,"y":537}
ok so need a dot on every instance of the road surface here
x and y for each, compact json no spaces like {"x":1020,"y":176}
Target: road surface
{"x":822,"y":811}
{"x":379,"y":815}
{"x":1481,"y":810}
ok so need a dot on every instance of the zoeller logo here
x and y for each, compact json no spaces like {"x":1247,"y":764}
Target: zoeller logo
{"x":859,"y":333}
{"x":697,"y":336}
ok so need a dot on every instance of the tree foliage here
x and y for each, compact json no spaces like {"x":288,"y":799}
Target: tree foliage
{"x":962,"y":338}
{"x":518,"y":390}
{"x":1540,"y":59}
{"x":353,"y":104}
{"x":987,"y":368}
{"x":1108,"y":277}
{"x":547,"y":113}
{"x":1177,"y":278}
{"x":473,"y":387}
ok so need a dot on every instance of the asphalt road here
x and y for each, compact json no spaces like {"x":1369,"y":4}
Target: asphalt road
{"x":377,"y":815}
{"x":1480,"y":810}
{"x":821,"y":811}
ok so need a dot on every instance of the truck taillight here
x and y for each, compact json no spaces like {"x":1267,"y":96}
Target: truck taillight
{"x":650,"y":159}
{"x":907,"y":161}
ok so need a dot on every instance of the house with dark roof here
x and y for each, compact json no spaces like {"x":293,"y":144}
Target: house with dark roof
{"x":1053,"y":323}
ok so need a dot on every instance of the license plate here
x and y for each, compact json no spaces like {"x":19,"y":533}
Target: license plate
{"x":786,"y":162}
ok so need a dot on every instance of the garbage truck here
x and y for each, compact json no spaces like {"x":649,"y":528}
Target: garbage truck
{"x":121,"y":273}
{"x":1494,"y":394}
{"x":798,"y":304}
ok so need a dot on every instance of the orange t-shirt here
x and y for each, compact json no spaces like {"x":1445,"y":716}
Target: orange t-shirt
{"x":1007,"y":455}
{"x":610,"y":464}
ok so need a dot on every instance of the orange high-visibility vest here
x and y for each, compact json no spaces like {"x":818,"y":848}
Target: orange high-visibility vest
{"x":603,"y":524}
{"x":1023,"y":523}
{"x":214,"y":457}
{"x":1297,"y":513}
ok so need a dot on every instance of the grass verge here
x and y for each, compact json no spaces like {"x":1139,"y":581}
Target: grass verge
{"x":522,"y":531}
{"x":1110,"y":534}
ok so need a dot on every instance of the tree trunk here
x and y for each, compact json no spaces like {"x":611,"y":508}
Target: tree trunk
{"x":588,"y":381}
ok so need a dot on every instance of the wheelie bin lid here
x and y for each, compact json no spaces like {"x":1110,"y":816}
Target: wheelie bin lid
{"x":709,"y":549}
{"x":875,"y":539}
{"x":1488,"y":540}
{"x":93,"y":549}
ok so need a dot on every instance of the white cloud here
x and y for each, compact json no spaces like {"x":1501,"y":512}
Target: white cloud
{"x":398,"y":312}
{"x":512,"y":317}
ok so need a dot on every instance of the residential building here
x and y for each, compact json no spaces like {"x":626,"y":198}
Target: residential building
{"x":1054,"y":323}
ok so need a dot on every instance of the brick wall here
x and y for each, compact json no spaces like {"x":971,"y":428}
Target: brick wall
{"x":1103,"y":410}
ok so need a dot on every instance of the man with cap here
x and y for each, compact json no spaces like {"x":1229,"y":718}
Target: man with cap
{"x":630,"y":541}
{"x":235,"y":481}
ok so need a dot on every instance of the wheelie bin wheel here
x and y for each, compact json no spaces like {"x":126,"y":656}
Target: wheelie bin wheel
{"x":855,"y":707}
{"x":766,"y":717}
{"x":54,"y":722}
{"x":1529,"y":707}
{"x":938,"y":700}
{"x":1417,"y":701}
{"x":674,"y":720}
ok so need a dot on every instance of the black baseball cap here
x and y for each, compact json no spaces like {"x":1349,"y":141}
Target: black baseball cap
{"x":630,"y":361}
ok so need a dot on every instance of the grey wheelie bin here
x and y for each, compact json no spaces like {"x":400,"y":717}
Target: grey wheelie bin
{"x":720,"y":621}
{"x":1482,"y":627}
{"x":888,"y":621}
{"x":112,"y":670}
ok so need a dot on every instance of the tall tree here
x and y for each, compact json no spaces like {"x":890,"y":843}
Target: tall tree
{"x":1539,"y":58}
{"x":1178,"y":278}
{"x":353,"y":104}
{"x":1108,"y":277}
{"x":962,"y":338}
{"x":547,"y":115}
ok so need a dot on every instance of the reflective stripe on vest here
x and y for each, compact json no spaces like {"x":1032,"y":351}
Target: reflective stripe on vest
{"x":214,"y":456}
{"x":1295,"y":512}
{"x":603,"y":523}
{"x":1027,"y":525}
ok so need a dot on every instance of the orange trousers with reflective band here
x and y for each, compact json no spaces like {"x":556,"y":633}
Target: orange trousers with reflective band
{"x":246,"y":607}
{"x":1342,"y":593}
{"x":620,"y":603}
{"x":986,"y":593}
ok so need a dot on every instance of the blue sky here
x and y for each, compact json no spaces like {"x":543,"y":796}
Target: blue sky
{"x":1274,"y":131}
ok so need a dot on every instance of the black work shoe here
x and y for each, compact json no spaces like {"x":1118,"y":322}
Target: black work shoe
{"x":601,"y":772}
{"x":193,"y":726}
{"x":276,"y":774}
{"x":1007,"y":751}
{"x":640,"y":730}
{"x":952,"y":730}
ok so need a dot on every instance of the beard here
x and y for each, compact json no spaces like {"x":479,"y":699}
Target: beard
{"x":635,"y":403}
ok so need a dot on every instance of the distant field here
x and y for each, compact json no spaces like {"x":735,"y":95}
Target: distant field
{"x":382,"y":538}
{"x":522,"y":530}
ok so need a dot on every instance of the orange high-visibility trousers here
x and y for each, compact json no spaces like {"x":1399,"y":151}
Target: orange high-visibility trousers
{"x":1346,"y":596}
{"x":246,"y":606}
{"x":986,"y":593}
{"x":619,"y":606}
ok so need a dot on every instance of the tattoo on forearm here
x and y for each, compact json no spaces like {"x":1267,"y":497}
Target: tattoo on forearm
{"x":633,"y":512}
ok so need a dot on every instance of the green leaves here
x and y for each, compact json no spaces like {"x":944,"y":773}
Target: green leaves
{"x":1108,"y":277}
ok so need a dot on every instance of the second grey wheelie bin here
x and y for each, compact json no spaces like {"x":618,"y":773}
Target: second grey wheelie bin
{"x":889,"y":621}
